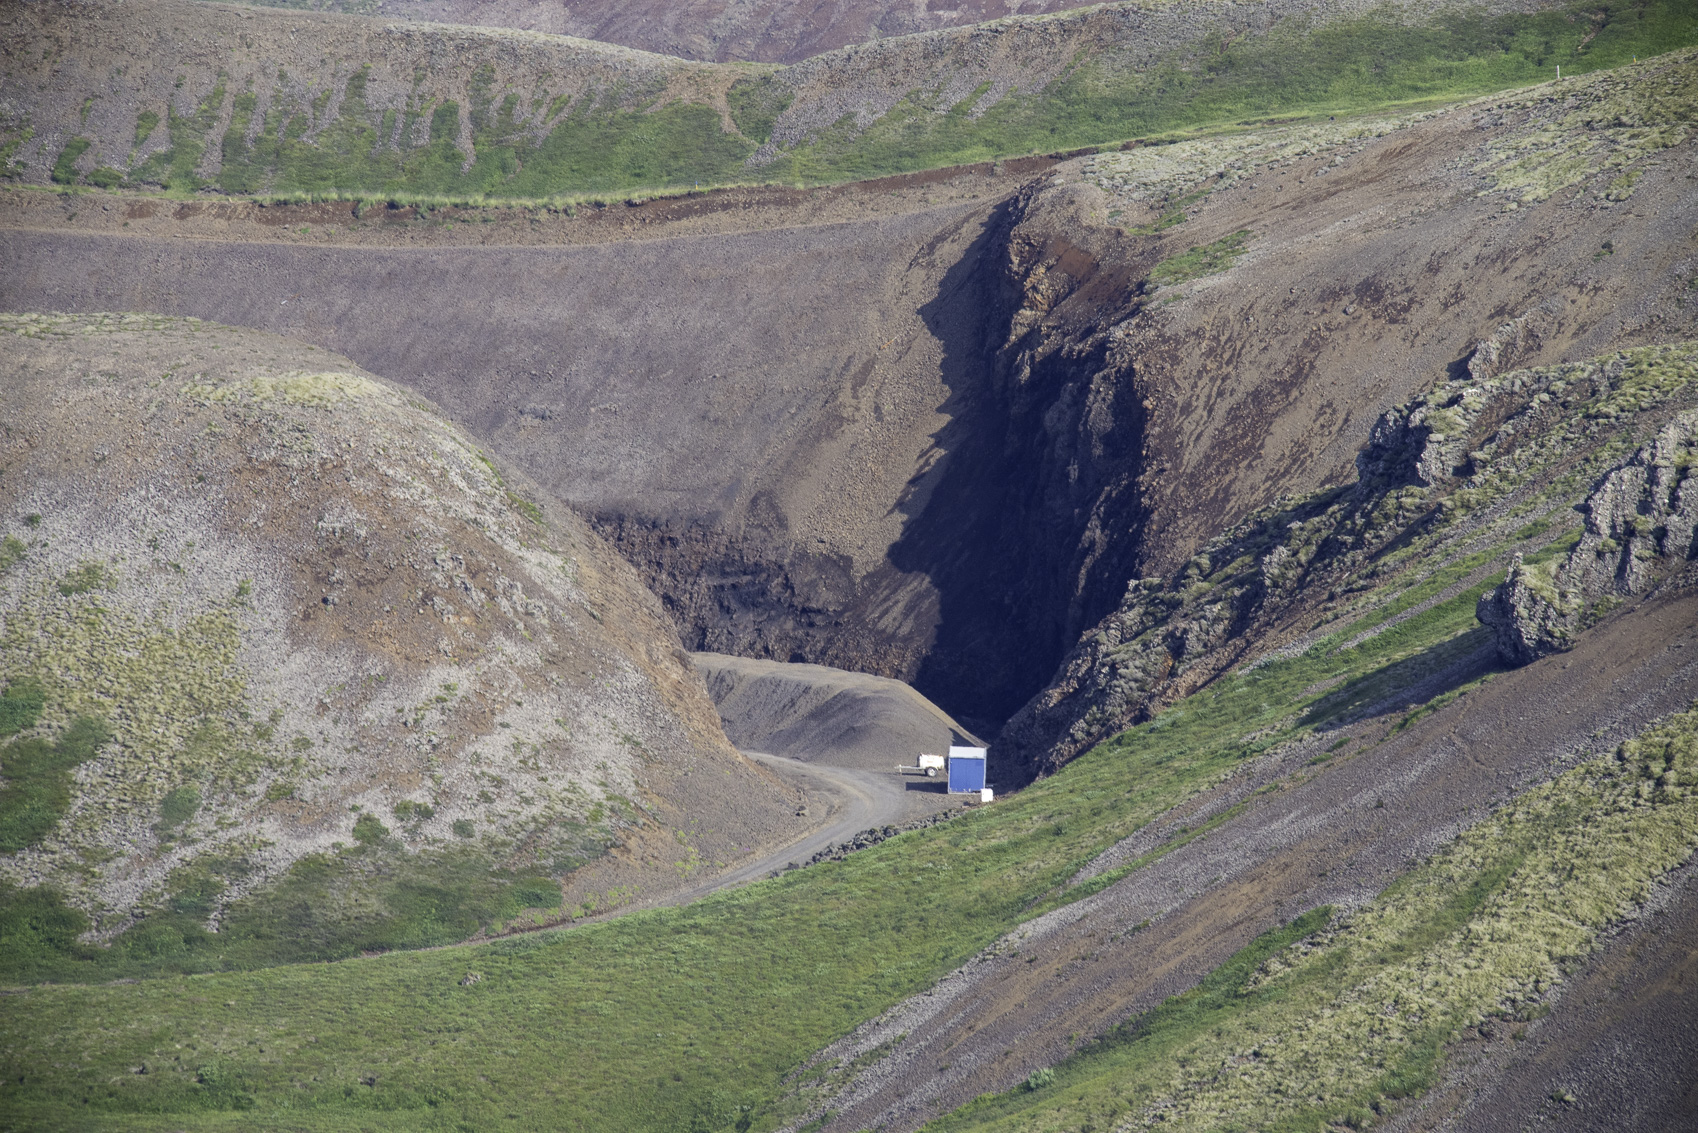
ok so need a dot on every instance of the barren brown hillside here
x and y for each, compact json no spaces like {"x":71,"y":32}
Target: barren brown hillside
{"x":934,"y":439}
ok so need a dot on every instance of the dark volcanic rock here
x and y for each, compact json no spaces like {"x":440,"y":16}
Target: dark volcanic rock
{"x":1526,"y":438}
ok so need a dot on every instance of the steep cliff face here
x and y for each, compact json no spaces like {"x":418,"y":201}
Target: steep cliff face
{"x":274,"y":635}
{"x":1475,"y":474}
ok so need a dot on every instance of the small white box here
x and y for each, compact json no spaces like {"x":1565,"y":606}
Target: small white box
{"x":986,"y":794}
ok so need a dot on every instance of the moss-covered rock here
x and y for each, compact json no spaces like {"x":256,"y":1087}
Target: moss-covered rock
{"x":1640,"y":526}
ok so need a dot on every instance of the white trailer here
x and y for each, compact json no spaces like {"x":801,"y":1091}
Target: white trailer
{"x":930,"y":766}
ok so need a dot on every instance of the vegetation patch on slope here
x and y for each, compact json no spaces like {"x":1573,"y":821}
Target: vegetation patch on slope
{"x":1200,"y":260}
{"x":586,"y":124}
{"x":1305,"y":1032}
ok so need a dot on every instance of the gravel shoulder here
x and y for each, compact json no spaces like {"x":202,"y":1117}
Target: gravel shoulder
{"x":840,"y":735}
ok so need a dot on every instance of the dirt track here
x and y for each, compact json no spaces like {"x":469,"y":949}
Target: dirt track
{"x":1325,"y":838}
{"x":844,"y":771}
{"x":852,"y":800}
{"x":838,"y":737}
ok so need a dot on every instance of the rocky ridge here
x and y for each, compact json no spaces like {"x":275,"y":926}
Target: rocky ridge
{"x":1457,"y":470}
{"x":1640,"y":526}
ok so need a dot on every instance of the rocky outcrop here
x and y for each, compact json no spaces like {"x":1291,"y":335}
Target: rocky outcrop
{"x":1640,"y":525}
{"x":1467,"y":448}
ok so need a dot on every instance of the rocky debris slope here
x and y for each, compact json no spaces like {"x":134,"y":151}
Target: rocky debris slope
{"x":316,"y":645}
{"x":1450,"y":475}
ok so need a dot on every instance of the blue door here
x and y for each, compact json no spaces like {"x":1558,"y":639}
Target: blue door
{"x":966,"y":769}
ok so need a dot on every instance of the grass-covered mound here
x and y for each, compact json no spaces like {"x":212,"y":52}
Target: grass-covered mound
{"x":289,"y":671}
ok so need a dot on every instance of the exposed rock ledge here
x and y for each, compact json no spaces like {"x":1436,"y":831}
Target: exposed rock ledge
{"x":1639,"y":526}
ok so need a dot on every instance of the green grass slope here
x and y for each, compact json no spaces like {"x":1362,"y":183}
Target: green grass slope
{"x":530,"y":117}
{"x":1300,"y":69}
{"x":1480,"y":933}
{"x":693,"y":1018}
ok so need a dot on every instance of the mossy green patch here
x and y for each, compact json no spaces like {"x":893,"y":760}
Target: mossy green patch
{"x":13,"y":134}
{"x":317,"y":391}
{"x":88,"y":576}
{"x":173,"y":694}
{"x":20,"y":705}
{"x":525,"y":507}
{"x":374,"y":896}
{"x":146,"y":120}
{"x":1609,"y":122}
{"x":65,"y":165}
{"x":177,"y":807}
{"x":12,"y":550}
{"x":36,"y":787}
{"x":1201,"y":260}
{"x":755,"y":105}
{"x":175,"y":167}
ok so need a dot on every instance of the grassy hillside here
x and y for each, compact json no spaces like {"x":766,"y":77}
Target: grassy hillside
{"x":1476,"y":936}
{"x":1299,"y":69}
{"x":693,"y":1018}
{"x":533,"y":118}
